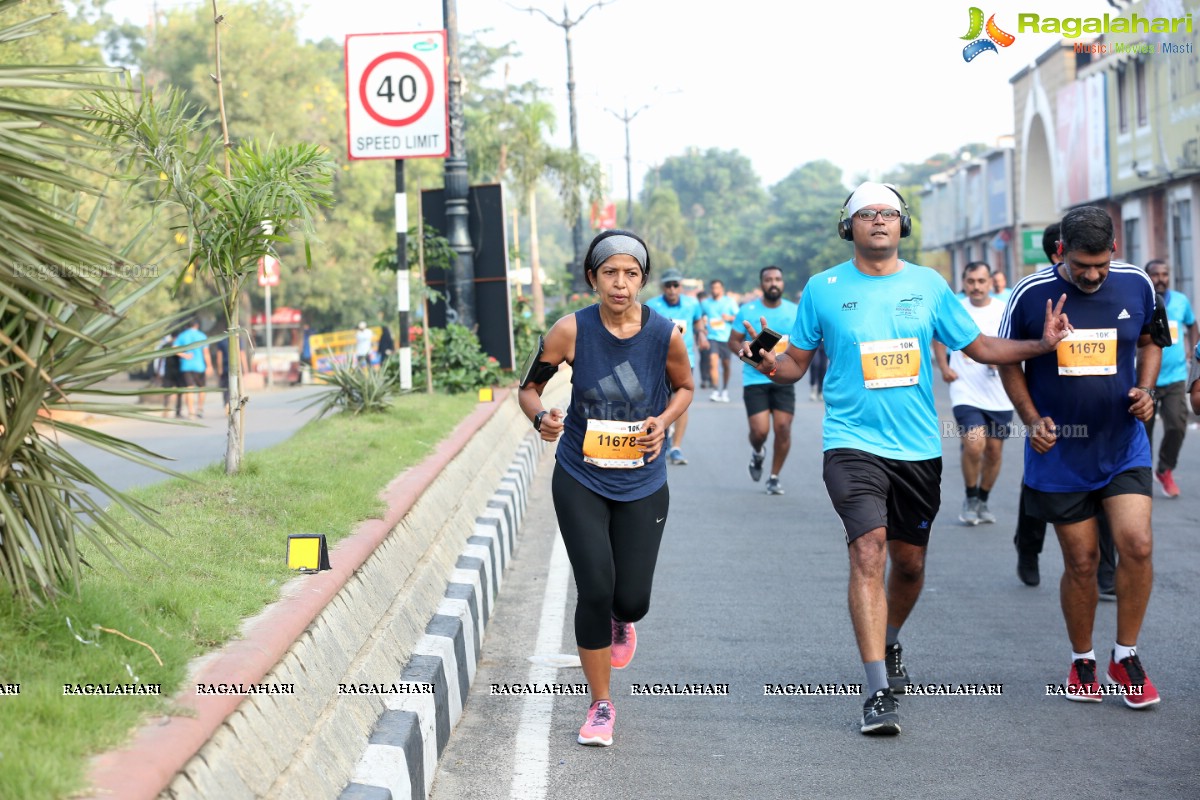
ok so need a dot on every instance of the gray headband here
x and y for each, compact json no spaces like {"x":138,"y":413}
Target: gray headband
{"x":616,"y":244}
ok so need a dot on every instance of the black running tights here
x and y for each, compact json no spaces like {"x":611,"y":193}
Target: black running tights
{"x":613,"y":547}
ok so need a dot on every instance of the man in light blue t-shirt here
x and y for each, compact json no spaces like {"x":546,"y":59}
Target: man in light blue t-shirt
{"x":878,"y":317}
{"x":1171,"y":403}
{"x":767,"y":405}
{"x":719,"y":309}
{"x":684,"y":311}
{"x":194,"y":365}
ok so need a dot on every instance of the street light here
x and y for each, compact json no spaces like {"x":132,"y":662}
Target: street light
{"x":566,"y":23}
{"x":627,"y":118}
{"x":461,"y":305}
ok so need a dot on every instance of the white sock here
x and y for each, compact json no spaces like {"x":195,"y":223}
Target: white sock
{"x":774,"y":477}
{"x":1090,"y":655}
{"x":1120,"y":652}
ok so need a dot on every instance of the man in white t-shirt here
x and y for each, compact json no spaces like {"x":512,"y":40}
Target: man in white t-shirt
{"x":363,"y":338}
{"x":981,"y":407}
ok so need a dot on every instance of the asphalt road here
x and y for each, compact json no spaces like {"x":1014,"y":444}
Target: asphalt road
{"x":272,"y":415}
{"x":751,"y":590}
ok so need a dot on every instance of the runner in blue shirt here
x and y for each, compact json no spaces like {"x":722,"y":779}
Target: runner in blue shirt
{"x":767,"y":405}
{"x":684,"y":311}
{"x":719,"y":309}
{"x":1171,"y":403}
{"x":878,"y":317}
{"x":194,"y":365}
{"x":1086,"y":449}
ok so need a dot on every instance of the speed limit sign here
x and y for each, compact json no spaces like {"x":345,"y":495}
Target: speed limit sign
{"x":396,"y":95}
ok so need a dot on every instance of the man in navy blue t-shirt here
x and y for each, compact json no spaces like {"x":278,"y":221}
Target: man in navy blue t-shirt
{"x":1086,"y":449}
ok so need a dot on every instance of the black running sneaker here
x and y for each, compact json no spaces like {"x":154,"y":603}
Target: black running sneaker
{"x":898,"y":680}
{"x":881,"y":714}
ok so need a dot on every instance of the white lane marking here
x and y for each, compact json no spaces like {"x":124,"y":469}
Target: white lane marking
{"x":532,"y":757}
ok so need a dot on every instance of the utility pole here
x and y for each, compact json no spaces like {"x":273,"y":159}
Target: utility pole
{"x":566,"y":23}
{"x":627,"y":118}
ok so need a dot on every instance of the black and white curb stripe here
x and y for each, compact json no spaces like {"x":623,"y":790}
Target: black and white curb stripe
{"x":403,"y":750}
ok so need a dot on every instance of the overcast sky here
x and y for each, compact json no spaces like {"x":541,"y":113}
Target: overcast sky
{"x":866,"y":84}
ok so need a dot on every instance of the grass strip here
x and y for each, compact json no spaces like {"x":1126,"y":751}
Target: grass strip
{"x":224,"y":561}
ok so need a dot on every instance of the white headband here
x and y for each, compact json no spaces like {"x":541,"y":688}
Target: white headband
{"x":872,"y":194}
{"x":616,"y":244}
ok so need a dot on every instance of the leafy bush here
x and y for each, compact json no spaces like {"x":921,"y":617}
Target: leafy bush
{"x":459,"y":363}
{"x":356,"y":390}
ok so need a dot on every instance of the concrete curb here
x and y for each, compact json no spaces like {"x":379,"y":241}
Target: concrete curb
{"x":383,"y":615}
{"x":401,"y":755}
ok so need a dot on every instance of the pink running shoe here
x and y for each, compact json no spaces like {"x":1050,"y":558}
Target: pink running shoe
{"x":597,"y":730}
{"x":624,"y":643}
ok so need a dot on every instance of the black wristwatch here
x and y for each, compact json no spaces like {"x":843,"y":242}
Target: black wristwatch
{"x":1148,"y":390}
{"x":537,"y":420}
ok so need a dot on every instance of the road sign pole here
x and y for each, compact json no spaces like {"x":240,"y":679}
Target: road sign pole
{"x":269,"y":361}
{"x":402,"y":298}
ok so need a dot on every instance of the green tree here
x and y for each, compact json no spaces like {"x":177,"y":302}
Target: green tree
{"x":530,"y":158}
{"x":722,"y":198}
{"x":665,"y":229}
{"x":800,"y":234}
{"x":234,"y":216}
{"x":287,"y":91}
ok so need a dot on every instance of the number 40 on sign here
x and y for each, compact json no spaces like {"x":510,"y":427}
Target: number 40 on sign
{"x":396,"y":95}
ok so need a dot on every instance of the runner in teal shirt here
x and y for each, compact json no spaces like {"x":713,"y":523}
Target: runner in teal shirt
{"x":885,"y":325}
{"x":1171,"y":403}
{"x":878,"y":317}
{"x":767,"y":406}
{"x":719,"y":309}
{"x":684,"y":311}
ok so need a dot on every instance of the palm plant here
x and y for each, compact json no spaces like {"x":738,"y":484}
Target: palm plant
{"x":530,"y":157}
{"x":63,"y":299}
{"x":233,"y":217}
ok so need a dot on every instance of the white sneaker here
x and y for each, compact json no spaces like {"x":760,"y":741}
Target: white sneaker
{"x":812,"y":395}
{"x":724,"y":396}
{"x":715,"y":397}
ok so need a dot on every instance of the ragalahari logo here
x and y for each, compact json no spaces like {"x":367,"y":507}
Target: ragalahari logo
{"x":995,"y":36}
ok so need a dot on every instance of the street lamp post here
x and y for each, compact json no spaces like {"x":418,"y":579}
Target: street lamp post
{"x":627,"y":118}
{"x":566,"y":23}
{"x":462,"y":294}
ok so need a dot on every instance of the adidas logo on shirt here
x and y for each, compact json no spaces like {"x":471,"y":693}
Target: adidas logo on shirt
{"x":1123,"y":315}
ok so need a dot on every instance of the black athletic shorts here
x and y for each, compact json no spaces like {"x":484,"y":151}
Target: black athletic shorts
{"x":760,"y":397}
{"x":192,"y":379}
{"x":869,"y":492}
{"x":721,"y":349}
{"x":1068,"y":507}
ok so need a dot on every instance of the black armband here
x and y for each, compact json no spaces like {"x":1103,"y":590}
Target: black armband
{"x":536,"y":370}
{"x":1160,"y":327}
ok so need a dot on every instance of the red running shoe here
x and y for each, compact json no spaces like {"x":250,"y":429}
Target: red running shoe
{"x":624,"y":643}
{"x":1167,"y":482}
{"x":1138,"y":691}
{"x":1082,"y":686}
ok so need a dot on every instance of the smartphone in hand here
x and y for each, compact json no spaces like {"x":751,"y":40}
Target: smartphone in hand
{"x":766,"y":340}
